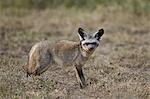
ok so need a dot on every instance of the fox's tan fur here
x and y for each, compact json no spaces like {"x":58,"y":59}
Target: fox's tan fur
{"x":44,"y":54}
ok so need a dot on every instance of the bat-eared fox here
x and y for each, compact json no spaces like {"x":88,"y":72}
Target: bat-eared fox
{"x":45,"y":54}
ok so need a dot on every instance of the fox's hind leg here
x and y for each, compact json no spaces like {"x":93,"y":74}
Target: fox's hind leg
{"x":25,"y":68}
{"x":28,"y":74}
{"x":43,"y":63}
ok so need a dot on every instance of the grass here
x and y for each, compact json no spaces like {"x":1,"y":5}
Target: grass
{"x":136,"y":7}
{"x":119,"y":69}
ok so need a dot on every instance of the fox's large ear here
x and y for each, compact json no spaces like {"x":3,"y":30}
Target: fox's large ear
{"x":81,"y":34}
{"x":99,"y":34}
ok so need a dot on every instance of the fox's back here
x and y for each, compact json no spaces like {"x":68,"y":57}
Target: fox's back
{"x":62,"y":52}
{"x":65,"y":52}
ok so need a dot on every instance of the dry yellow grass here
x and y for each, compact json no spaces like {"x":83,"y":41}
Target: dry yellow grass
{"x":119,"y":69}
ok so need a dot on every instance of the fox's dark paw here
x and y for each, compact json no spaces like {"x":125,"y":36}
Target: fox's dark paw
{"x":83,"y":85}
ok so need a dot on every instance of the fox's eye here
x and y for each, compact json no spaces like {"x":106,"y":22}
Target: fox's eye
{"x":86,"y":44}
{"x":93,"y":43}
{"x":96,"y":44}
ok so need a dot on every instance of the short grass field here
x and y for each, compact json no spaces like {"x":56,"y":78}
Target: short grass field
{"x":118,"y":69}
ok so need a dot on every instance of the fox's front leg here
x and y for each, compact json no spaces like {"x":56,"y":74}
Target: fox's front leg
{"x":80,"y":76}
